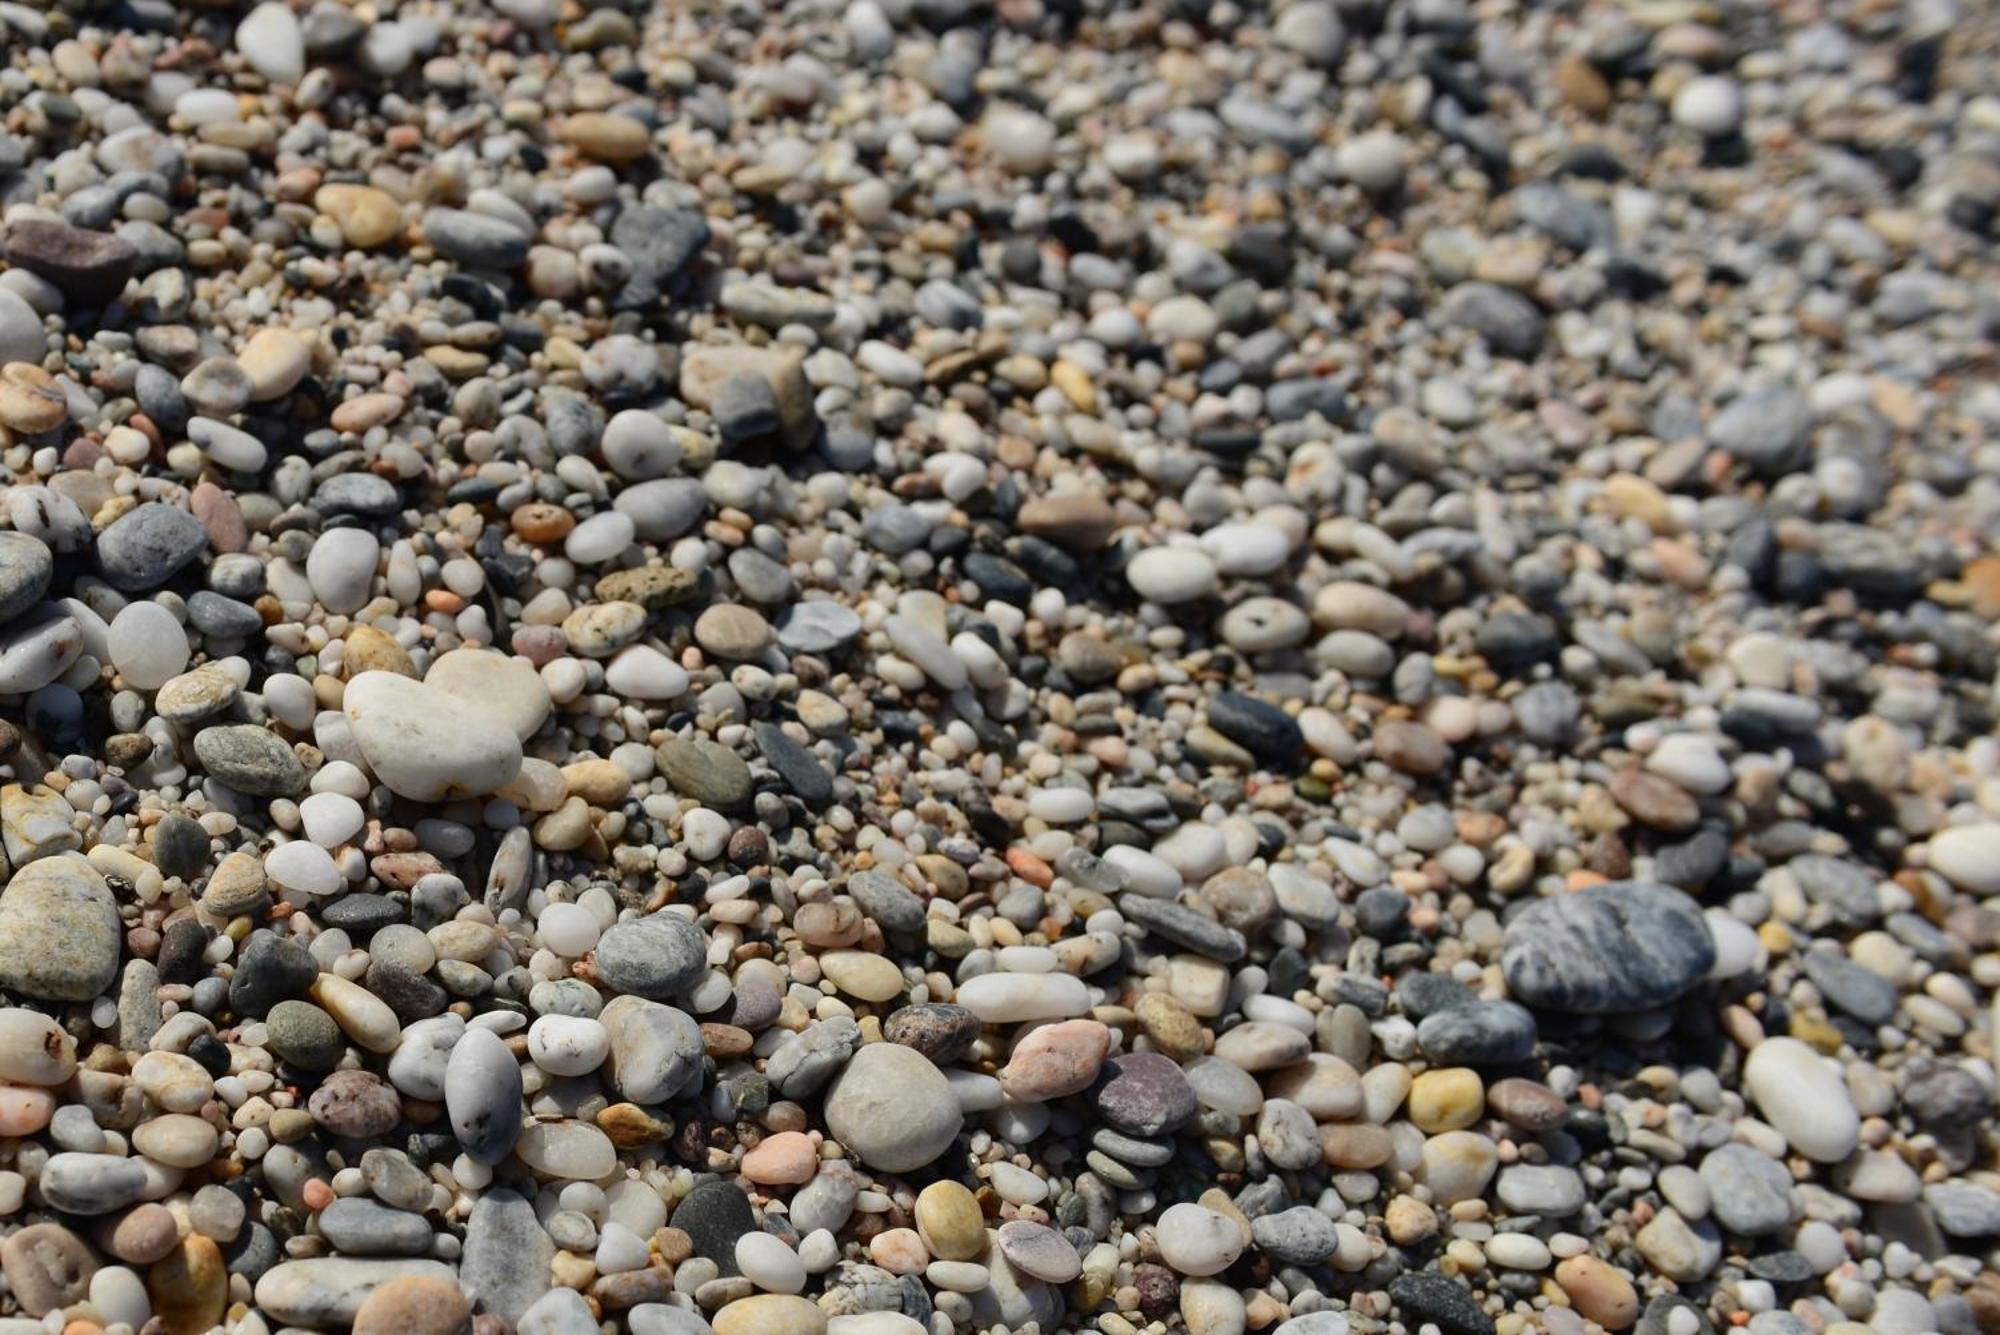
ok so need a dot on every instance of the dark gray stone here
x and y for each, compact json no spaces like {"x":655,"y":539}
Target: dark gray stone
{"x":1626,"y":946}
{"x":1426,"y":1295}
{"x":1485,"y":1033}
{"x":1185,"y":927}
{"x":1846,"y":986}
{"x":1508,"y":321}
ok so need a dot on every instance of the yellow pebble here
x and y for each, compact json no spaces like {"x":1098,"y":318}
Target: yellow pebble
{"x":1447,"y":1100}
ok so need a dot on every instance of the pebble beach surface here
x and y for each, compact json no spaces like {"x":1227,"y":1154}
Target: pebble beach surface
{"x":917,"y":667}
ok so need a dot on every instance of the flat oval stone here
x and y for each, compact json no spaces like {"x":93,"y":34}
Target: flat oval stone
{"x":1626,"y":946}
{"x":59,"y":931}
{"x":328,"y":1291}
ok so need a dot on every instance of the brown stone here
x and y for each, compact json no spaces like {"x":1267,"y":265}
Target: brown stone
{"x":1652,"y":800}
{"x":1583,"y":87}
{"x":1079,"y":521}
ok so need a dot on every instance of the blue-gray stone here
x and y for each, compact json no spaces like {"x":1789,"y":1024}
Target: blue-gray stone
{"x":1626,"y":946}
{"x":149,"y":546}
{"x":1485,"y":1033}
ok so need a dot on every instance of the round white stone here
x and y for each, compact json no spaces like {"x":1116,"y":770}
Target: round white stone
{"x":770,"y":1264}
{"x":331,"y":819}
{"x":1804,"y":1097}
{"x":305,"y":867}
{"x":1969,"y":857}
{"x":568,"y":1044}
{"x":1196,"y":1240}
{"x":571,"y":930}
{"x":341,"y":567}
{"x":600,"y":538}
{"x":1172,"y":574}
{"x":1711,"y":106}
{"x":148,"y":646}
{"x":642,"y":672}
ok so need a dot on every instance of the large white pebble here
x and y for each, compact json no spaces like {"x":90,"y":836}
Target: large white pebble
{"x":1804,"y":1097}
{"x":770,"y":1264}
{"x":1172,"y":574}
{"x":571,"y":930}
{"x":148,"y":646}
{"x":331,"y":819}
{"x":341,"y":568}
{"x":305,"y":867}
{"x":426,"y":745}
{"x":642,"y":672}
{"x":639,"y":446}
{"x":1969,"y":857}
{"x":568,"y":1044}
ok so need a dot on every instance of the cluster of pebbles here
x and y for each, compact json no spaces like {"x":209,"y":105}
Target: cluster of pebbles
{"x":915,"y":667}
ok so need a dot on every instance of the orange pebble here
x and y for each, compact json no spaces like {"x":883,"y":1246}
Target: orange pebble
{"x":317,"y":1194}
{"x":443,"y":600}
{"x":1029,"y":867}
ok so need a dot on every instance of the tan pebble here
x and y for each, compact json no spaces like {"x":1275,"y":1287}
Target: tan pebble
{"x":1600,"y":1291}
{"x":770,"y":1314}
{"x":367,"y":649}
{"x":367,"y":217}
{"x":608,"y":137}
{"x":30,"y":400}
{"x":415,"y":1305}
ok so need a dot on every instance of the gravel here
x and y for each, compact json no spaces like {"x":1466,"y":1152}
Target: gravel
{"x":1318,"y":666}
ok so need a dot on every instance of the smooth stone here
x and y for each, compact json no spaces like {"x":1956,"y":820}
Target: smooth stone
{"x":1803,"y":1097}
{"x":505,"y":1264}
{"x":26,"y":566}
{"x":573,"y":1150}
{"x":327,"y":1292}
{"x":715,"y":1215}
{"x":357,"y":1226}
{"x":1620,"y":947}
{"x":148,"y":546}
{"x":60,"y":934}
{"x":1039,"y":1251}
{"x":1171,"y":575}
{"x":657,"y":957}
{"x":892,"y":1108}
{"x":250,"y":759}
{"x":1968,"y":856}
{"x":1196,"y":1240}
{"x":482,"y":1094}
{"x":496,"y":685}
{"x":655,"y":1051}
{"x":1484,"y":1033}
{"x":426,"y":744}
{"x":1298,"y":1236}
{"x":1750,"y":1193}
{"x":37,"y":649}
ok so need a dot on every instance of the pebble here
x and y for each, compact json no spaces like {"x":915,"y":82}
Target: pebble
{"x":1611,"y":948}
{"x":891,"y":1107}
{"x":1804,"y":1098}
